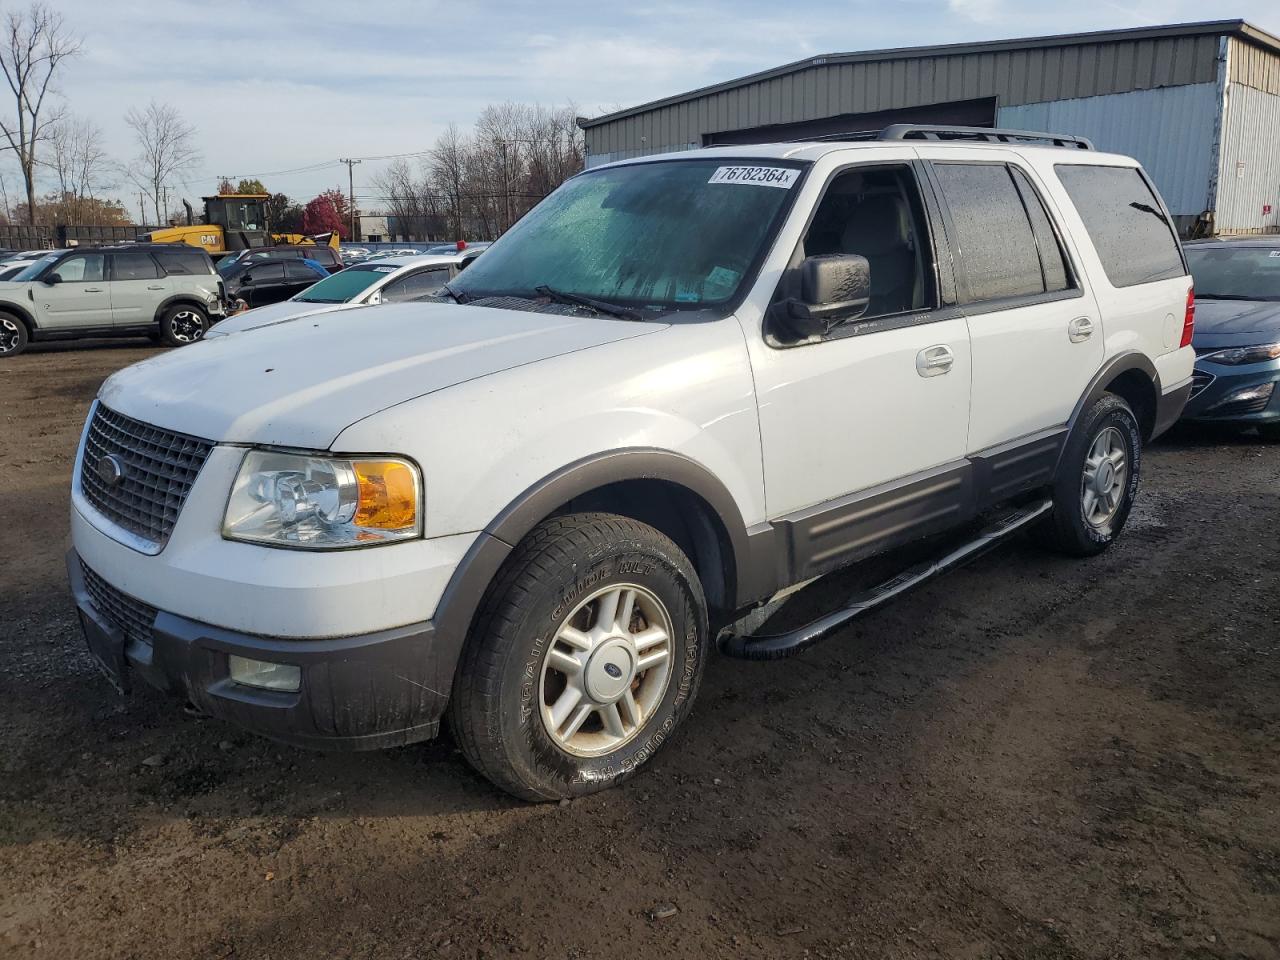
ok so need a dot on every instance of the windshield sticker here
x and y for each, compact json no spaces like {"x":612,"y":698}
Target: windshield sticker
{"x":1275,"y":253}
{"x":721,"y":282}
{"x":385,"y":269}
{"x":782,"y":177}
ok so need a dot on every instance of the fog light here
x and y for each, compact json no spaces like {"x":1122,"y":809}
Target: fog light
{"x":283,"y":677}
{"x":1255,"y":397}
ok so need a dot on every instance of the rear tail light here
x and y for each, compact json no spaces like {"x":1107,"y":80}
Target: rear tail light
{"x":1189,"y":319}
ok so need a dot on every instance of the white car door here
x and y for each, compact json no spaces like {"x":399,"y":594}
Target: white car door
{"x":863,"y":431}
{"x":1034,"y":326}
{"x":138,"y":287}
{"x":74,"y":294}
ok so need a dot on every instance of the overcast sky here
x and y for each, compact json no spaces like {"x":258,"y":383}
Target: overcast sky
{"x":273,"y":86}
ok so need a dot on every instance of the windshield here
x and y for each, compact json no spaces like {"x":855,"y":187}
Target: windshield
{"x":676,"y":234}
{"x":1235,"y":273}
{"x":33,"y":271}
{"x":345,"y":285}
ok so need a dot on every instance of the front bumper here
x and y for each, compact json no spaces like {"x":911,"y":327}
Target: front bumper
{"x":1220,"y":385}
{"x":362,"y":692}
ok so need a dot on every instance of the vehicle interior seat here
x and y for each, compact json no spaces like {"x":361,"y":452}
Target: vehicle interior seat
{"x":878,"y":228}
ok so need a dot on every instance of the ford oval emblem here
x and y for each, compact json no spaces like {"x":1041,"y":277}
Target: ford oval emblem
{"x":613,"y":670}
{"x":110,"y":470}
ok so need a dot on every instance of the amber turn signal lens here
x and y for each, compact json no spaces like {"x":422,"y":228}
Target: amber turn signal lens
{"x":388,"y":495}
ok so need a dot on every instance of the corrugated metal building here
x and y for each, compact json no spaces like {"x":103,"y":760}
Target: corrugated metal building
{"x":1198,"y":104}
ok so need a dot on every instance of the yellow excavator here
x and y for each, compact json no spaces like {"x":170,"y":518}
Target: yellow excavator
{"x":232,"y":222}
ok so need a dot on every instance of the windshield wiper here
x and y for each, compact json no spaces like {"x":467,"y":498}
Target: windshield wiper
{"x":457,"y":297}
{"x":1226,"y":296}
{"x":577,"y":299}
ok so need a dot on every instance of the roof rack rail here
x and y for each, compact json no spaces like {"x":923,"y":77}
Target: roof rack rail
{"x":913,"y":131}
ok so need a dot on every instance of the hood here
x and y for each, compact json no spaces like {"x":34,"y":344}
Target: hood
{"x":272,"y":313}
{"x":1236,"y":322}
{"x":302,"y":384}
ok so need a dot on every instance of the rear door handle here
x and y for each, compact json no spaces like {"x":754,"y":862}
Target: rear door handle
{"x":155,"y":288}
{"x":934,"y":361}
{"x":1080,"y":329}
{"x":92,"y":289}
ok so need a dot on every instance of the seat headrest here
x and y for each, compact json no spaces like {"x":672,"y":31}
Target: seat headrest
{"x":878,"y":224}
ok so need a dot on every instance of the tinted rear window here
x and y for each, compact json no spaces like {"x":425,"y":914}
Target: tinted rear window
{"x":183,"y":262}
{"x":997,"y":249}
{"x":1134,"y":239}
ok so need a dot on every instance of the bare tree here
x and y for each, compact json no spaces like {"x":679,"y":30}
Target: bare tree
{"x":448,"y":166}
{"x":80,"y":163}
{"x":166,"y":150}
{"x":34,"y":45}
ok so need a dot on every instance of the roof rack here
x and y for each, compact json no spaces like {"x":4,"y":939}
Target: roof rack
{"x":917,"y":131}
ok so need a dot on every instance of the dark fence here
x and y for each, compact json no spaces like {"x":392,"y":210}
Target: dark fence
{"x":22,"y":236}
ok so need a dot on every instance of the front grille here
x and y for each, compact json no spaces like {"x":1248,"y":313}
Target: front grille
{"x":131,"y":616}
{"x":1199,"y":383}
{"x":158,"y":468}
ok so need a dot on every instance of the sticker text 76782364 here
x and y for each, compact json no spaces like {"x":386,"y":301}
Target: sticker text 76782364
{"x":782,"y":177}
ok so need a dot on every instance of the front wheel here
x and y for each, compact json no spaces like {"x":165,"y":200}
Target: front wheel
{"x":182,"y":325}
{"x":13,"y":335}
{"x":585,"y":657}
{"x":1097,"y":480}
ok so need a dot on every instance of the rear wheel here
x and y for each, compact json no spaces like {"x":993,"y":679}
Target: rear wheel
{"x":13,"y":335}
{"x":585,"y":657}
{"x":183,"y":324}
{"x":1097,"y":480}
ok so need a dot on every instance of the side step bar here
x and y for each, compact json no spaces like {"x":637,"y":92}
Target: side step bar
{"x":778,"y":645}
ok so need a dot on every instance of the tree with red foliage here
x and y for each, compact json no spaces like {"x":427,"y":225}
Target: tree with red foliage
{"x":327,"y":213}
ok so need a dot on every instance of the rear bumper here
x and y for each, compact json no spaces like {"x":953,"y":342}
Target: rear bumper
{"x":1169,"y":408}
{"x":361,"y":692}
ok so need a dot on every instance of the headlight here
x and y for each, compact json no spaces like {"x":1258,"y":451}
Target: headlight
{"x":1238,"y":355}
{"x":323,"y":503}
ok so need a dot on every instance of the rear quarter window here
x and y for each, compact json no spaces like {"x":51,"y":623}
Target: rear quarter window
{"x":1126,"y":222}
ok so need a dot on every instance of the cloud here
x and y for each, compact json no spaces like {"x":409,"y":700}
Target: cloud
{"x":981,"y":11}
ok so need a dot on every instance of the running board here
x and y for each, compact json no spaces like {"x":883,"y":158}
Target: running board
{"x":775,"y":646}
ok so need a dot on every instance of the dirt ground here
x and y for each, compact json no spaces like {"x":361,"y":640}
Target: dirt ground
{"x":1032,"y":757}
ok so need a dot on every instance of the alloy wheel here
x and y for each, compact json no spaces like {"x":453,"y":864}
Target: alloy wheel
{"x":1105,"y":476}
{"x":607,"y":670}
{"x":187,"y":326}
{"x":10,"y":335}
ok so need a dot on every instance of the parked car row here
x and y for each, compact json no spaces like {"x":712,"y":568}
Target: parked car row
{"x":172,"y":292}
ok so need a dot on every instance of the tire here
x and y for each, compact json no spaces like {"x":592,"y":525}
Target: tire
{"x":183,"y":324}
{"x":1084,"y":522}
{"x":13,"y":336}
{"x":517,"y":669}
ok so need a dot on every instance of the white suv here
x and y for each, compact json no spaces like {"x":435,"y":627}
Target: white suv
{"x":678,"y":387}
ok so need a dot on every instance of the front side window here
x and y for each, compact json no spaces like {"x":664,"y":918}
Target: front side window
{"x":679,"y":234}
{"x":1223,"y":272}
{"x":134,"y":266}
{"x":85,"y":268}
{"x":994,"y":245}
{"x":420,"y":284}
{"x":876,"y":213}
{"x":1134,"y":238}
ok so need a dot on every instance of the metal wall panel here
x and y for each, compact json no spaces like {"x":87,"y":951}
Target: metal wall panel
{"x":1249,"y":178}
{"x":828,"y":86}
{"x":1169,"y":131}
{"x":1253,"y":66}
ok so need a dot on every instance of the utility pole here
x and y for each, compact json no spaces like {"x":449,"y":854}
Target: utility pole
{"x":351,"y":189}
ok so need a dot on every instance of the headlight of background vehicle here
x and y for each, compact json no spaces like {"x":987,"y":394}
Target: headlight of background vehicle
{"x":1238,"y":355}
{"x":320,"y":503}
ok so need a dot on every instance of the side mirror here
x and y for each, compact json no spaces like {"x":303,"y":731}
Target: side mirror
{"x":52,"y":279}
{"x":834,"y":288}
{"x":246,"y":279}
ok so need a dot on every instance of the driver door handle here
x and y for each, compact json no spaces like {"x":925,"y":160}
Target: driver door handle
{"x":1080,"y":329}
{"x":935,"y":361}
{"x":92,"y":289}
